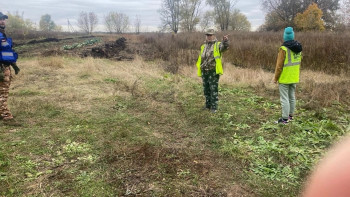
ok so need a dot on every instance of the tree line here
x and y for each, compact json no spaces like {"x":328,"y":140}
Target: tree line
{"x":190,"y":16}
{"x":303,"y":15}
{"x":306,"y":15}
{"x":186,"y":15}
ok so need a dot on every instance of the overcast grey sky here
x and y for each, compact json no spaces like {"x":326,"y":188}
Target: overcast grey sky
{"x":147,"y":10}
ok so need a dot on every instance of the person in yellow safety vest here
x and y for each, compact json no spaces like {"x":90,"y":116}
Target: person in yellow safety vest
{"x":209,"y":67}
{"x":287,"y":73}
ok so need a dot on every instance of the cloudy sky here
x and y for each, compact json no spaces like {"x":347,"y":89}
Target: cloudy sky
{"x":62,"y":10}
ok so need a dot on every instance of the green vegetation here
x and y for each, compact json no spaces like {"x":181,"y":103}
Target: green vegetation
{"x":79,"y":45}
{"x":141,"y":131}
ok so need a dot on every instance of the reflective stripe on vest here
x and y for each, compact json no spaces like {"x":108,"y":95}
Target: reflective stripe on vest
{"x":291,"y":68}
{"x":290,"y":62}
{"x":217,"y":57}
{"x":8,"y":54}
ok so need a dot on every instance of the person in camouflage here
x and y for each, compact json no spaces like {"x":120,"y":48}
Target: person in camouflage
{"x":209,"y":67}
{"x":5,"y":72}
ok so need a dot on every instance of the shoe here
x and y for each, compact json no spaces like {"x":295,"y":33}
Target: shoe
{"x":213,"y":110}
{"x":11,"y":122}
{"x":290,"y":118}
{"x":282,"y":121}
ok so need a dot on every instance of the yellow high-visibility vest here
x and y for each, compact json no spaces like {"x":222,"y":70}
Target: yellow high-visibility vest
{"x":291,"y":68}
{"x":217,"y":56}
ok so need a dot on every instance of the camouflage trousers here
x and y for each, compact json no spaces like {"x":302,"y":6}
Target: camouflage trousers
{"x":5,"y":113}
{"x":211,"y":89}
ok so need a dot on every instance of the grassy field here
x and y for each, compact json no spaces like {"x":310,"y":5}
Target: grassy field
{"x":95,"y":127}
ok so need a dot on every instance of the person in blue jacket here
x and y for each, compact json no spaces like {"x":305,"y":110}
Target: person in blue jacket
{"x":8,"y":58}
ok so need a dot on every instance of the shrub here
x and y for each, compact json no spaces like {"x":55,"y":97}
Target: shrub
{"x":322,"y":51}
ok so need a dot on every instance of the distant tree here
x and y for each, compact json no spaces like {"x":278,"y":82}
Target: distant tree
{"x":189,"y":13}
{"x":239,"y":22}
{"x":310,"y":19}
{"x":286,"y":10}
{"x":46,"y":24}
{"x":207,"y":20}
{"x":93,"y":20}
{"x":117,"y":22}
{"x":16,"y":23}
{"x":222,"y":10}
{"x":83,"y":22}
{"x":170,"y":15}
{"x":329,"y":9}
{"x":273,"y":22}
{"x":87,"y":21}
{"x":137,"y":24}
{"x":281,"y":11}
{"x":109,"y":23}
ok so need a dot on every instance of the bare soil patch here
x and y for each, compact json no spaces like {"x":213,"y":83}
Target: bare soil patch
{"x":121,"y":48}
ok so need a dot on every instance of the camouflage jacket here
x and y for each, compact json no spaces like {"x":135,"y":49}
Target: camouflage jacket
{"x":208,"y":60}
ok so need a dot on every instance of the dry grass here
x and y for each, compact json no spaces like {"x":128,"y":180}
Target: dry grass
{"x":319,"y":87}
{"x":326,"y":52}
{"x":53,"y":62}
{"x":245,"y":76}
{"x":89,"y":75}
{"x":235,"y":76}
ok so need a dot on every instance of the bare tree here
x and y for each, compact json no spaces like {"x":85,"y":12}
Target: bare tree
{"x":137,"y":24}
{"x":170,"y":15}
{"x":273,"y":22}
{"x":189,"y":12}
{"x":93,"y":20}
{"x":207,"y":20}
{"x":285,"y":10}
{"x":117,"y":22}
{"x":83,"y":22}
{"x":87,"y":21}
{"x":222,"y":10}
{"x":109,"y":23}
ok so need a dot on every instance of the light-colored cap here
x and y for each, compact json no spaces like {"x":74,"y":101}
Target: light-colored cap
{"x":210,"y":32}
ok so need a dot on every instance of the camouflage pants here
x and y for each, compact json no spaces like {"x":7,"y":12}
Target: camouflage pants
{"x":211,"y":89}
{"x":4,"y":92}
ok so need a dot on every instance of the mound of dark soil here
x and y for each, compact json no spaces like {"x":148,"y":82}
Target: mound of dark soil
{"x":112,"y":50}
